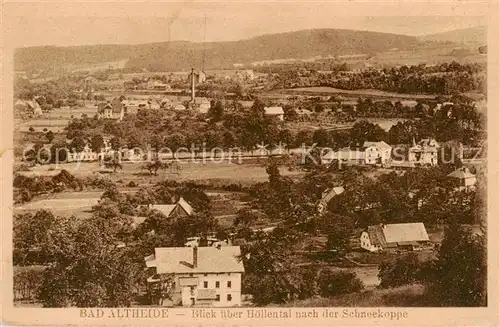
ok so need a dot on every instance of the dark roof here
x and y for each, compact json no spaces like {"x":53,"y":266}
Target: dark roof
{"x":103,"y":105}
{"x":117,"y":106}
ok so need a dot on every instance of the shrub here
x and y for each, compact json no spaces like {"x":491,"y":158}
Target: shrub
{"x":96,"y":181}
{"x":132,"y":184}
{"x":331,"y":283}
{"x":400,"y":272}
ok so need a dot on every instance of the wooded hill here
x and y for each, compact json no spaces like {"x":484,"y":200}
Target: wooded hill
{"x":179,"y":55}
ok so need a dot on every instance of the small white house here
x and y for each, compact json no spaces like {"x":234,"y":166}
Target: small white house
{"x":465,"y":180}
{"x":371,"y":153}
{"x":275,"y":112}
{"x":377,"y":152}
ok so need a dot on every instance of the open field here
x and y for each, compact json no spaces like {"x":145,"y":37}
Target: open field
{"x":231,"y":172}
{"x":355,"y":93}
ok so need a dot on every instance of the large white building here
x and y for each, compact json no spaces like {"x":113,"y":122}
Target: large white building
{"x":196,"y":276}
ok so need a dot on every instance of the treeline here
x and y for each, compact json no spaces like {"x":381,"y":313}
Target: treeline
{"x":446,"y":78}
{"x":26,"y":188}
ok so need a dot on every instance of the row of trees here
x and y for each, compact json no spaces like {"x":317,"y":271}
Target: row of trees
{"x":450,"y":78}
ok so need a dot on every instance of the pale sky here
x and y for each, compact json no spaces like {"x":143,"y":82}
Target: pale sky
{"x":53,"y":23}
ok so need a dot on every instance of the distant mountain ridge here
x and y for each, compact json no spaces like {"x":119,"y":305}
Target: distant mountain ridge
{"x":178,"y":55}
{"x":473,"y":35}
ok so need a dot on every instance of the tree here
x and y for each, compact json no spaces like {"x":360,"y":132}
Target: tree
{"x":333,"y":283}
{"x":91,"y":271}
{"x":97,"y":143}
{"x":339,"y":230}
{"x":216,"y":111}
{"x":77,"y":144}
{"x":461,"y":269}
{"x":35,"y":238}
{"x":320,"y":137}
{"x":403,"y":271}
{"x":50,"y":136}
{"x":116,"y":143}
{"x":365,"y":131}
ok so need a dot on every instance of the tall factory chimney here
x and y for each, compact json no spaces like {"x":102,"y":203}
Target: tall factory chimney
{"x":192,"y":85}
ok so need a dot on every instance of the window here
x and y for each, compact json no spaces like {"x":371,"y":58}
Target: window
{"x":228,"y":284}
{"x":205,"y":275}
{"x":229,"y":297}
{"x":205,"y":284}
{"x":217,"y":297}
{"x":229,"y":274}
{"x":217,"y":284}
{"x":190,"y":275}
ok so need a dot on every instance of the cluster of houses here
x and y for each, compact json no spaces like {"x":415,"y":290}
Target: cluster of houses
{"x":117,"y":109}
{"x":424,"y":153}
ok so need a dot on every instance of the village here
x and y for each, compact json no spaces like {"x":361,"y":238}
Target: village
{"x":320,"y":182}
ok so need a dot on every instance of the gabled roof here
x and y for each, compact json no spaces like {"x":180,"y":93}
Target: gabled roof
{"x":103,"y":105}
{"x":186,"y":206}
{"x":379,"y":144}
{"x":165,"y":209}
{"x":274,"y":111}
{"x":210,"y":259}
{"x":462,"y":173}
{"x":397,"y":233}
{"x":331,"y":193}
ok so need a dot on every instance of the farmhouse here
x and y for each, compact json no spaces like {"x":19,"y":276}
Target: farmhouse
{"x":111,"y":110}
{"x":424,"y":153}
{"x":395,"y":237}
{"x":327,"y":195}
{"x":275,"y":112}
{"x":371,"y":153}
{"x":180,"y":209}
{"x":377,"y":152}
{"x":196,"y":276}
{"x":463,"y":178}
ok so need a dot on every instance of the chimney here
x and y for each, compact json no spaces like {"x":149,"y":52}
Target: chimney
{"x":195,"y":256}
{"x":192,"y":85}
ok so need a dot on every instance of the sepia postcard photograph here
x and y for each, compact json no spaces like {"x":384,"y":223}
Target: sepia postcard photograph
{"x":250,"y":163}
